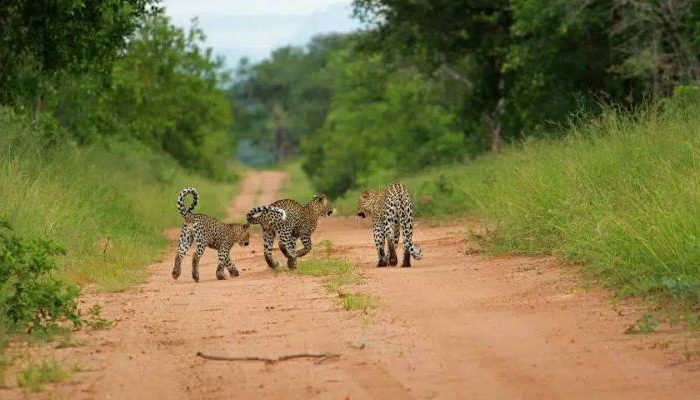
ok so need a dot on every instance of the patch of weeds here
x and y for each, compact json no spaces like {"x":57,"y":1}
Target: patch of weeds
{"x":358,"y":301}
{"x":645,"y":325}
{"x":95,"y":320}
{"x":34,"y":376}
{"x":324,"y":267}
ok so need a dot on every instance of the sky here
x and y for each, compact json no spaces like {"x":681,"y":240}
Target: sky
{"x":253,"y":28}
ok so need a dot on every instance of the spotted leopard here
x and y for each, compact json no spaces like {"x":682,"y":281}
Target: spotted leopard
{"x":391,"y":211}
{"x":205,"y":231}
{"x":296,"y":223}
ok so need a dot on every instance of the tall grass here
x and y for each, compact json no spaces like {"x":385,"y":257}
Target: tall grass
{"x":620,"y":194}
{"x":108,"y":203}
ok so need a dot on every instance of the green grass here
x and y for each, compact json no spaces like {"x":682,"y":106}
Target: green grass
{"x":107,"y":203}
{"x":299,"y":187}
{"x":358,"y":302}
{"x":34,"y":376}
{"x":620,"y":194}
{"x":336,"y":274}
{"x":324,"y":267}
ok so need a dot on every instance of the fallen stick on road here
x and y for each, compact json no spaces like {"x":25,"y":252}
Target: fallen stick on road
{"x":321,"y":356}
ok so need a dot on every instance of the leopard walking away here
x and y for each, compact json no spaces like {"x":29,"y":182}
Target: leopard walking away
{"x":391,"y":211}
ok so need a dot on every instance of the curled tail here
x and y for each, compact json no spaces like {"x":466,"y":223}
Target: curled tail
{"x":181,"y":201}
{"x":252,"y":219}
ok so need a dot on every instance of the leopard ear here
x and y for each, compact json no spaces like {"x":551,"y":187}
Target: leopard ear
{"x":365,"y":194}
{"x":246,"y":226}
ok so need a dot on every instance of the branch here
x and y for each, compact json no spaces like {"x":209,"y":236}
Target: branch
{"x":454,"y":75}
{"x":321,"y":356}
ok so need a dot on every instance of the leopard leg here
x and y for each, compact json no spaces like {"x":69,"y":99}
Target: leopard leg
{"x":195,"y":261}
{"x":287,"y":246}
{"x":306,"y":241}
{"x":232,"y":270}
{"x":393,"y":242}
{"x":268,"y":240}
{"x":407,"y":227}
{"x":379,"y":243}
{"x":184,"y":244}
{"x":224,"y":262}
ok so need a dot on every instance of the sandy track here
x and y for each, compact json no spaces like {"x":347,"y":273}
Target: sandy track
{"x":454,"y":326}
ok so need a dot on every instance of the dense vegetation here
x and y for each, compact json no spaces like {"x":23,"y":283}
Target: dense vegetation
{"x":435,"y":82}
{"x":106,"y":112}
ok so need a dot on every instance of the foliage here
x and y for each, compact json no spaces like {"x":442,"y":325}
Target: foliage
{"x":167,"y":94}
{"x":440,"y":81}
{"x":286,"y":97}
{"x":30,"y":297}
{"x":47,"y":36}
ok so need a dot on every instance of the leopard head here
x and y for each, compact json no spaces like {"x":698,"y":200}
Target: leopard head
{"x":321,"y":206}
{"x":368,"y":203}
{"x":242,"y":234}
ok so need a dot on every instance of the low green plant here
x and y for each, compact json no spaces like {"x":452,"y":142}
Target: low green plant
{"x":645,"y":325}
{"x":95,"y":320}
{"x":358,"y":301}
{"x":31,"y":298}
{"x":34,"y":376}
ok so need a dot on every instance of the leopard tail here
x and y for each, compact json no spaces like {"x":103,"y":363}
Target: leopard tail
{"x":252,"y":219}
{"x":181,"y":201}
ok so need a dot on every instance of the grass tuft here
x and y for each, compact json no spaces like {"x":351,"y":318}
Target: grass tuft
{"x":358,"y":301}
{"x":35,"y":376}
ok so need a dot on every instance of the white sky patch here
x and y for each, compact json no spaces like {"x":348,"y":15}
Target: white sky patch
{"x":192,"y":8}
{"x":253,"y":28}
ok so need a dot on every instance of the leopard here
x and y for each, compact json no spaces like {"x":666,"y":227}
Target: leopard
{"x":391,"y":210}
{"x":205,"y":231}
{"x":297,"y":223}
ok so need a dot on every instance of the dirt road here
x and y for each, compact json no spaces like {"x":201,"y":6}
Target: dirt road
{"x":454,"y":326}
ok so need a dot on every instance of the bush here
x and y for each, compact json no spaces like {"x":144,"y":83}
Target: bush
{"x":30,"y":297}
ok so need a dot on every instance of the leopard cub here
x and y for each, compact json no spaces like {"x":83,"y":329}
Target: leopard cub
{"x":205,"y":231}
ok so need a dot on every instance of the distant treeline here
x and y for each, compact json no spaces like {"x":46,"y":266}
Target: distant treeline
{"x":89,"y":69}
{"x":439,"y":81}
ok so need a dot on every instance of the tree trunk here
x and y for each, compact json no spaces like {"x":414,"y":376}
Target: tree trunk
{"x":493,"y":119}
{"x":38,"y":106}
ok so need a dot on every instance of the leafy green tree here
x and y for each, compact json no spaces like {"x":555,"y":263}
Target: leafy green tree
{"x":382,"y":123}
{"x":286,"y":97}
{"x":47,"y":36}
{"x":168,"y":93}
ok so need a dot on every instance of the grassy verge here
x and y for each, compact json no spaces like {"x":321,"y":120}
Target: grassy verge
{"x":620,"y":194}
{"x":107,"y":203}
